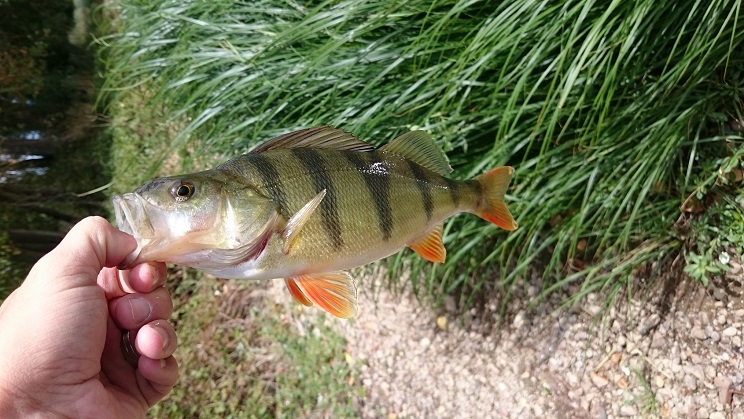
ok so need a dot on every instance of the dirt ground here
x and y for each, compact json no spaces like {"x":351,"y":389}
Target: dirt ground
{"x":675,"y":354}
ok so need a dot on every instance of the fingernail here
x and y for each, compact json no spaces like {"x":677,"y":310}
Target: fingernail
{"x":163,"y":364}
{"x":163,"y":335}
{"x":141,"y":310}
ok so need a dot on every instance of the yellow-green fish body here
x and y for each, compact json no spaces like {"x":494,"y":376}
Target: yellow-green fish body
{"x":307,"y":206}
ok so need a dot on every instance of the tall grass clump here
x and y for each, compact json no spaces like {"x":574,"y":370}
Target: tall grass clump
{"x":612,"y":112}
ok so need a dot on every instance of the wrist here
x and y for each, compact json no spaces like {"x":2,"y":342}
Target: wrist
{"x":9,"y":406}
{"x":15,"y":405}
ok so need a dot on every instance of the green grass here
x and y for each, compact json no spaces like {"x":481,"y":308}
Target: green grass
{"x":612,"y":112}
{"x":647,"y":399}
{"x":241,"y":355}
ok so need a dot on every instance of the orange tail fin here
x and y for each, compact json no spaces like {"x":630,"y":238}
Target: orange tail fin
{"x":492,"y":207}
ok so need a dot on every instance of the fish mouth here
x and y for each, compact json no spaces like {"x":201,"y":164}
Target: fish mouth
{"x":132,"y":218}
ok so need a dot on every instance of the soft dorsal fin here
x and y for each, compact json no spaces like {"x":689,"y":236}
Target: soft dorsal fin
{"x":419,"y":147}
{"x":318,"y":137}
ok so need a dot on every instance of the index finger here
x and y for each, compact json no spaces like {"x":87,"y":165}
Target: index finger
{"x":141,"y":278}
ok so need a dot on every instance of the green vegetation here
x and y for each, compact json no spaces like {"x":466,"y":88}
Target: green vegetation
{"x":715,"y":237}
{"x":612,"y":112}
{"x":647,"y":400}
{"x":244,"y":356}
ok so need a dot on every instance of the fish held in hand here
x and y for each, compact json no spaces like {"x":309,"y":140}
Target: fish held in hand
{"x":307,"y":206}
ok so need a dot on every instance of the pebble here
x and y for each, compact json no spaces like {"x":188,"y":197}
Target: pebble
{"x":690,"y":382}
{"x":598,"y":380}
{"x":650,"y":322}
{"x":658,"y":340}
{"x":450,"y":304}
{"x":425,"y":342}
{"x":702,"y":413}
{"x":518,"y":320}
{"x":665,"y":394}
{"x":547,"y":361}
{"x":697,"y":333}
{"x":697,"y":371}
{"x":723,"y":384}
{"x":718,"y":294}
{"x":572,"y":378}
{"x":628,"y":411}
{"x":442,"y":323}
{"x":729,"y":331}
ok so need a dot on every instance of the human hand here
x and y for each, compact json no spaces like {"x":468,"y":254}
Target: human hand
{"x":61,"y":330}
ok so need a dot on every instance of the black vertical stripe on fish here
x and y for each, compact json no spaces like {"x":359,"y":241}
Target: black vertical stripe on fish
{"x":454,"y":191}
{"x":422,"y":181}
{"x":316,"y":168}
{"x":270,"y":178}
{"x":378,"y":185}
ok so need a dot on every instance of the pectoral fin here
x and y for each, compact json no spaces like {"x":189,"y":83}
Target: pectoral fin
{"x":295,"y":224}
{"x":430,"y":246}
{"x":334,"y":292}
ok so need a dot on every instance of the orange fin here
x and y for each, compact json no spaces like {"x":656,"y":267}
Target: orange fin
{"x":334,"y":292}
{"x":493,"y":207}
{"x":318,"y":137}
{"x":296,"y":292}
{"x":295,"y":224}
{"x":430,"y":246}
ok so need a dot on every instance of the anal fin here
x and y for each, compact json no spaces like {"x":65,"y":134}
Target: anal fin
{"x":334,"y":292}
{"x":430,"y":246}
{"x":296,"y":292}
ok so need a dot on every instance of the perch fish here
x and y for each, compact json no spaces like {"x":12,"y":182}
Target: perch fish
{"x":307,"y":206}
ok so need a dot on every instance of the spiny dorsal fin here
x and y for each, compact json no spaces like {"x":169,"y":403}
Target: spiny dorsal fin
{"x":318,"y":137}
{"x":422,"y":149}
{"x":430,"y":246}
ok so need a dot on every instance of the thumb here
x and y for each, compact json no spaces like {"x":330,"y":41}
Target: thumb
{"x":88,"y":247}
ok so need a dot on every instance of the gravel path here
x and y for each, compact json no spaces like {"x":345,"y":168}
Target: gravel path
{"x":642,"y":359}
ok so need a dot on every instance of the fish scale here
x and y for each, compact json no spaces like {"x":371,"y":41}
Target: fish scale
{"x":306,"y":207}
{"x":361,"y":227}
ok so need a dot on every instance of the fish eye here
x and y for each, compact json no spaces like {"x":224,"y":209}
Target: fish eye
{"x":182,"y":190}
